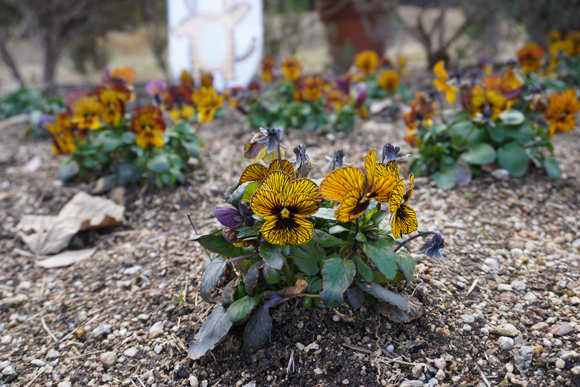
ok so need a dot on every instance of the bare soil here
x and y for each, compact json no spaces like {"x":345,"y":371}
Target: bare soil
{"x":141,"y":270}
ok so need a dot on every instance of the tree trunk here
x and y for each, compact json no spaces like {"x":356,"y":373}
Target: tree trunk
{"x":52,"y":51}
{"x":7,"y":58}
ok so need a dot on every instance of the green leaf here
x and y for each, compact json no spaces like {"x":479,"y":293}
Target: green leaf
{"x":378,"y":217}
{"x":111,"y":143}
{"x":327,"y":240}
{"x":479,"y":154}
{"x":242,"y":307}
{"x":259,"y":327}
{"x":250,"y":190}
{"x":523,"y":133}
{"x":513,"y":158}
{"x":272,"y":254}
{"x":68,"y":170}
{"x":159,"y":164}
{"x":383,"y":255}
{"x":325,"y":213}
{"x":216,"y":243}
{"x":252,"y":276}
{"x":406,"y":265}
{"x":512,"y":117}
{"x":129,"y":138}
{"x":211,"y":276}
{"x":355,"y":296}
{"x":497,"y":132}
{"x":337,"y":229}
{"x":445,"y":178}
{"x":361,"y":237}
{"x":307,"y":256}
{"x":383,"y":294}
{"x":337,"y":277}
{"x":271,"y":275}
{"x":363,"y":269}
{"x":212,"y":331}
{"x":552,"y":168}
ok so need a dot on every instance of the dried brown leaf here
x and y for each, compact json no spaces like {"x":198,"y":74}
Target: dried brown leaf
{"x":397,"y":315}
{"x":65,"y":259}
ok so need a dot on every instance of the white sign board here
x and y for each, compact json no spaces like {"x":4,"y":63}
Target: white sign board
{"x":222,"y":37}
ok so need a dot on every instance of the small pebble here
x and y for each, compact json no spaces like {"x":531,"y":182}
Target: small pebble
{"x":156,"y":330}
{"x":143,"y":317}
{"x":108,"y":359}
{"x":130,"y":352}
{"x":506,"y":343}
{"x":318,"y":371}
{"x":335,"y":318}
{"x":560,"y":363}
{"x":52,"y":354}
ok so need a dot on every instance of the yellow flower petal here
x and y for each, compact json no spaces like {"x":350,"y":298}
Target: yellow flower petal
{"x":390,"y":168}
{"x":254,"y":172}
{"x":340,"y":181}
{"x":397,"y":194}
{"x":302,"y":204}
{"x":293,"y":230}
{"x":353,"y":205}
{"x":439,"y":70}
{"x":382,"y":189}
{"x":404,"y":221}
{"x":277,"y":181}
{"x":370,"y":168}
{"x":266,"y":203}
{"x":304,"y":186}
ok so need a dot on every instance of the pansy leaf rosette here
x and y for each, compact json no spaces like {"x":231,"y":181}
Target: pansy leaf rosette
{"x":318,"y":242}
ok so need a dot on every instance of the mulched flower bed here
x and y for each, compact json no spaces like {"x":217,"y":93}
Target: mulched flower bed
{"x":513,"y":259}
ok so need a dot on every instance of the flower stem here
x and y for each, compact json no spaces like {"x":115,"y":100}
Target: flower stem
{"x":279,"y":153}
{"x":287,"y":273}
{"x":240,"y":257}
{"x":412,"y":238}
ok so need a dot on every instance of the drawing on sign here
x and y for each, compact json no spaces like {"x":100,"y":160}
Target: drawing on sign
{"x":204,"y":27}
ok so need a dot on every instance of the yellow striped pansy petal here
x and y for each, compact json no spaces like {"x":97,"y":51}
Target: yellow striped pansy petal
{"x":287,"y":166}
{"x":354,"y":204}
{"x":404,"y":221}
{"x":266,"y":203}
{"x":304,"y":186}
{"x":269,"y":157}
{"x":382,"y":189}
{"x":339,"y":182}
{"x":277,"y":181}
{"x":293,"y":230}
{"x":254,"y":172}
{"x":396,"y":198}
{"x":390,"y":168}
{"x":370,"y":168}
{"x":302,"y":204}
{"x":409,"y":191}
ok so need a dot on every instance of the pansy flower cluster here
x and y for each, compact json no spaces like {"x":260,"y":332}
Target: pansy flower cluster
{"x":102,"y":137}
{"x":285,"y":235}
{"x":503,"y":120}
{"x":287,"y":99}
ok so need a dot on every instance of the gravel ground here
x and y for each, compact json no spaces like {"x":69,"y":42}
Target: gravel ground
{"x":501,"y":310}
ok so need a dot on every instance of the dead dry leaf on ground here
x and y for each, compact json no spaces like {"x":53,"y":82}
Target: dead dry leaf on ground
{"x":45,"y":235}
{"x":65,"y":259}
{"x":397,"y":315}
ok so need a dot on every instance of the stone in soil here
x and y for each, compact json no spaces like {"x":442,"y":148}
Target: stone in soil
{"x":518,"y":285}
{"x":560,"y":363}
{"x":530,"y":297}
{"x":52,"y":354}
{"x":130,"y":352}
{"x":156,"y":330}
{"x":541,"y":326}
{"x":102,"y":330}
{"x":9,"y":370}
{"x":506,"y":343}
{"x":523,"y":358}
{"x":108,"y":359}
{"x":506,"y":330}
{"x":411,"y":383}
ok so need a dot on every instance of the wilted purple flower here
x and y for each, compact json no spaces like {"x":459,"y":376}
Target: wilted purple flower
{"x":434,"y":247}
{"x":337,"y":160}
{"x":232,"y":218}
{"x":156,"y":89}
{"x":45,"y":119}
{"x":302,"y":160}
{"x":485,"y":117}
{"x":391,"y":153}
{"x":268,"y":138}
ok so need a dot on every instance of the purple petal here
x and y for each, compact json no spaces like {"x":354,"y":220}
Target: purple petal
{"x":226,"y":216}
{"x":253,"y":149}
{"x":231,"y":234}
{"x":514,"y":93}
